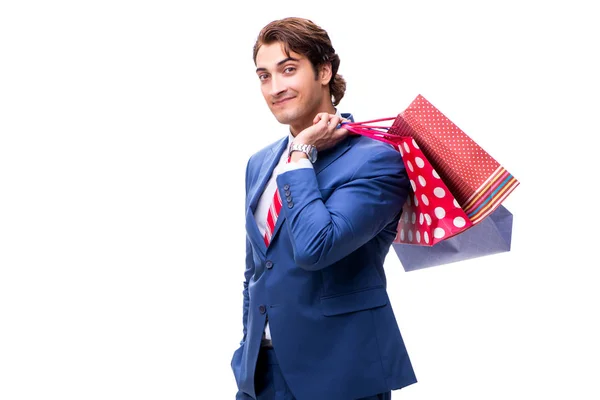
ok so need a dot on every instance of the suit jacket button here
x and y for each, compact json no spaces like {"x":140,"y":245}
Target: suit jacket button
{"x":262,"y":309}
{"x":286,"y":187}
{"x":269,"y":264}
{"x":290,"y":205}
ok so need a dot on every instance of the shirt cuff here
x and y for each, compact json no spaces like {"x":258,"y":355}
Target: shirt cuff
{"x":302,"y":163}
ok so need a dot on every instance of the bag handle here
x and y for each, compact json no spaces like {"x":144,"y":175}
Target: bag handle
{"x":376,"y":132}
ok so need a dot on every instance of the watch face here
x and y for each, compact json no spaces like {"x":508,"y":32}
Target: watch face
{"x":312,"y":154}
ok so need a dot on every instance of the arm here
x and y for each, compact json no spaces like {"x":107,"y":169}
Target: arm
{"x":248,"y":272}
{"x":325,"y":232}
{"x":247,"y":275}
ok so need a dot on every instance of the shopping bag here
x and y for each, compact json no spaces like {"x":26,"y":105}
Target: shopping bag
{"x":476,"y":179}
{"x":455,"y":183}
{"x":491,"y":235}
{"x":431,"y":213}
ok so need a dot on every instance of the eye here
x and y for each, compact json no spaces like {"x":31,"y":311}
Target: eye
{"x":289,"y":70}
{"x":263,"y":77}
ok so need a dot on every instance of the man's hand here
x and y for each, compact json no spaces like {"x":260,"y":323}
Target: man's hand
{"x":323,"y":133}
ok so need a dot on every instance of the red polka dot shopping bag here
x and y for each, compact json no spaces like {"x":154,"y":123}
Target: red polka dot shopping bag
{"x":456,"y":186}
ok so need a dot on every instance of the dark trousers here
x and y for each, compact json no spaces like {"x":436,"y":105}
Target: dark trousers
{"x":270,"y":385}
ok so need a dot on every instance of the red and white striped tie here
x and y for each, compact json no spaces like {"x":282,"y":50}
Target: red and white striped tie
{"x":273,"y":214}
{"x":272,"y":217}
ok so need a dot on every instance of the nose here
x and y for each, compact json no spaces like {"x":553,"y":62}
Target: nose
{"x":277,"y":86}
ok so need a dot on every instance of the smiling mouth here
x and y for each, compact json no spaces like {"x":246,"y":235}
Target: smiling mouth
{"x":278,"y":102}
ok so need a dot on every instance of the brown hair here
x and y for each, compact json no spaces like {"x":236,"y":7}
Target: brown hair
{"x":304,"y":37}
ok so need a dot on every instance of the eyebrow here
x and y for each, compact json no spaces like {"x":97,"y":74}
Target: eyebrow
{"x":279,"y":63}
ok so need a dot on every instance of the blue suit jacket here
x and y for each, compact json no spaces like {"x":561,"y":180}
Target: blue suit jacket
{"x":321,"y":282}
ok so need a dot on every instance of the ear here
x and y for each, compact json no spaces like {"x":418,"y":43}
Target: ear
{"x":325,"y":73}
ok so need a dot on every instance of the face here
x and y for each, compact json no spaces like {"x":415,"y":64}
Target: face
{"x":290,"y":88}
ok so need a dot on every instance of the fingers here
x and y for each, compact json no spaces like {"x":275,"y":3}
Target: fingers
{"x":334,"y":121}
{"x":335,"y":125}
{"x":331,"y":120}
{"x":325,"y":131}
{"x":321,"y":117}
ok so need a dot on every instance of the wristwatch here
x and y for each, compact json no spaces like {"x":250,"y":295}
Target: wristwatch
{"x":308,"y":149}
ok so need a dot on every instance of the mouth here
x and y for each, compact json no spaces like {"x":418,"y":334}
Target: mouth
{"x":282,"y":101}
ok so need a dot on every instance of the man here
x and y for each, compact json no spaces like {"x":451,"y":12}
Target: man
{"x":322,"y":208}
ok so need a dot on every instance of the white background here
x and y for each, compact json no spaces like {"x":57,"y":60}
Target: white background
{"x":125,"y":127}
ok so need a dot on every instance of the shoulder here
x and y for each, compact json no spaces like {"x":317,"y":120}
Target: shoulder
{"x":368,"y":145}
{"x":372,"y":154}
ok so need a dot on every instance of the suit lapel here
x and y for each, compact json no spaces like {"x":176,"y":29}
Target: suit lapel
{"x":325,"y":158}
{"x":267,"y":166}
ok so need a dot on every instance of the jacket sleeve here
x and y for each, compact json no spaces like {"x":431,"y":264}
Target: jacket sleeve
{"x":324,"y":232}
{"x":247,"y":275}
{"x":248,"y":272}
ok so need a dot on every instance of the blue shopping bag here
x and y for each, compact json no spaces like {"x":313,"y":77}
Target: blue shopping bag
{"x":491,"y":235}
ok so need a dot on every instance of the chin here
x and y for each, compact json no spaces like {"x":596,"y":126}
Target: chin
{"x":284,"y":117}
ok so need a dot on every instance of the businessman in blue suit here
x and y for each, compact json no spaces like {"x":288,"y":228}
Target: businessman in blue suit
{"x":322,"y":208}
